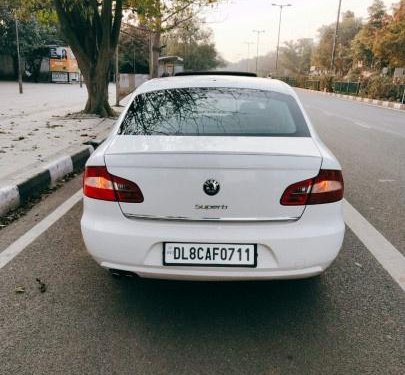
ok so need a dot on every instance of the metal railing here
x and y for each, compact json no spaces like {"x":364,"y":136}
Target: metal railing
{"x":292,"y":81}
{"x":312,"y":85}
{"x":342,"y":87}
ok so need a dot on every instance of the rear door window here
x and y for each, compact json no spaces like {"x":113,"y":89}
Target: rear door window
{"x":214,"y":112}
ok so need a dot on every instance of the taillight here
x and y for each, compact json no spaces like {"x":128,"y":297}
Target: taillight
{"x":99,"y":184}
{"x":327,"y":187}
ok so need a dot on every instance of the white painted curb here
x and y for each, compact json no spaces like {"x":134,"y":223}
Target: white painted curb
{"x":13,"y":195}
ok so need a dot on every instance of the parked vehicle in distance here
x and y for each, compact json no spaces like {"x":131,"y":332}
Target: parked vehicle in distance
{"x":213,"y":177}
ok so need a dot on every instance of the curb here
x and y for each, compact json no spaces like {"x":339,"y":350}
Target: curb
{"x":43,"y":177}
{"x":374,"y":102}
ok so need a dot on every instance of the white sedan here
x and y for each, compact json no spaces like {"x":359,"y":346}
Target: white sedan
{"x":213,"y":177}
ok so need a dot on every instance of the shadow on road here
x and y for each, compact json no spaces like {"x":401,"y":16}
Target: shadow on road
{"x":224,"y":306}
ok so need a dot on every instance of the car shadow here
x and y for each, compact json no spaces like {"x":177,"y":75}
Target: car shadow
{"x":221,"y":327}
{"x":225,"y":304}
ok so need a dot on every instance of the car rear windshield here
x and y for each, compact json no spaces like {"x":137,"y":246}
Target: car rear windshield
{"x":214,"y":112}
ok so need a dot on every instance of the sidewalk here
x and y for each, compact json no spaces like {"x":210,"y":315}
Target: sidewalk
{"x":39,"y":144}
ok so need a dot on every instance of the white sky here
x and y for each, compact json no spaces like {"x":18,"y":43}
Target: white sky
{"x":233,"y":21}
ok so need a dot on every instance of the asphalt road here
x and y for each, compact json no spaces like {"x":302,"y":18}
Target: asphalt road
{"x":351,"y":321}
{"x":369,"y":142}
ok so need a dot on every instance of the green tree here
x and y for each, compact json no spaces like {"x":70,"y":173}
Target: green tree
{"x":194,"y":44}
{"x":36,"y":32}
{"x":364,"y":41}
{"x":348,"y":29}
{"x":323,"y":51}
{"x":163,"y":16}
{"x":390,"y":44}
{"x":133,"y":49}
{"x":296,"y":56}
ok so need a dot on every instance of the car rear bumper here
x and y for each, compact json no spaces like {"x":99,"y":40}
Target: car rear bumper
{"x":285,"y":250}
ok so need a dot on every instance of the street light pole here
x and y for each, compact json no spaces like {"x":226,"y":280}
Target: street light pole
{"x":257,"y":49}
{"x":248,"y":54}
{"x":332,"y":62}
{"x":281,"y":6}
{"x":18,"y":55}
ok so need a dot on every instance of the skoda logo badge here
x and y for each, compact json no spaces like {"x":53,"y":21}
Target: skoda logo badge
{"x":211,"y":187}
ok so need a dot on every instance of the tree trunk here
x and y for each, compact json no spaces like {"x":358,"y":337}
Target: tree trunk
{"x":92,"y":31}
{"x":97,"y":89}
{"x":155,"y":52}
{"x":155,"y":38}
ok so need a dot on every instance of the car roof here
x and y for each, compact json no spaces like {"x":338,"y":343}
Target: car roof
{"x":215,"y":81}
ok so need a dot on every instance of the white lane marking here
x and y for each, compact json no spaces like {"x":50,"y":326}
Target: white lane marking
{"x":19,"y":245}
{"x":386,"y":180}
{"x":385,"y":253}
{"x":327,"y":113}
{"x":362,"y":124}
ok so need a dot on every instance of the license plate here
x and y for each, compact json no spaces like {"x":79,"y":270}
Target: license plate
{"x":209,"y":254}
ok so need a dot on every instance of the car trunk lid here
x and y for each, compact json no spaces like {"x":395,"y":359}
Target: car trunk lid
{"x":252,"y":173}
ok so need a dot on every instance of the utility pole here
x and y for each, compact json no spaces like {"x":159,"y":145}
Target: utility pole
{"x":257,"y":49}
{"x":281,"y":6}
{"x":18,"y":55}
{"x":332,"y":62}
{"x":248,"y":55}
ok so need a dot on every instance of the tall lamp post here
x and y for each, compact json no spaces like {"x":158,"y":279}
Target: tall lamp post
{"x":281,"y":6}
{"x":248,"y":54}
{"x":257,"y":49}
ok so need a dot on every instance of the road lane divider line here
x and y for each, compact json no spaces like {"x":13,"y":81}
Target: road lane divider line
{"x":362,"y":124}
{"x":26,"y":239}
{"x":385,"y":253}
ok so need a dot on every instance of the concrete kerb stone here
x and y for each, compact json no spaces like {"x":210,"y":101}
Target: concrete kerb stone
{"x":9,"y":199}
{"x":42,"y":178}
{"x":376,"y":102}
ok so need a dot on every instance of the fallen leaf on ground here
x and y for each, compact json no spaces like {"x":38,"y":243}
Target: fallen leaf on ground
{"x":19,"y":289}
